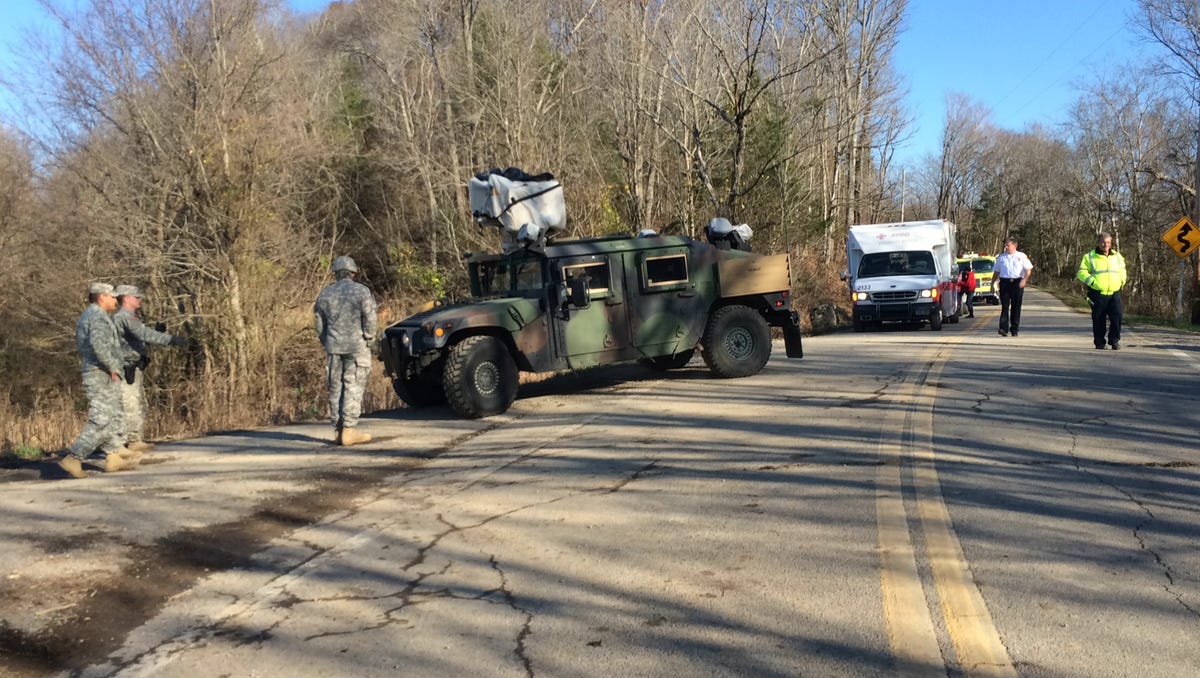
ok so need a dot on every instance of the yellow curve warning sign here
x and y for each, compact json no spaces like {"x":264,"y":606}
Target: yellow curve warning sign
{"x":1183,"y":237}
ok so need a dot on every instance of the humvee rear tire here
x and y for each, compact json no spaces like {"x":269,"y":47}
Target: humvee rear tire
{"x":480,"y":377}
{"x":670,"y":362}
{"x":423,"y":388}
{"x":737,"y":342}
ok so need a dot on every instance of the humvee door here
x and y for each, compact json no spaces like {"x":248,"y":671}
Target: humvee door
{"x":598,"y":332}
{"x":668,"y":311}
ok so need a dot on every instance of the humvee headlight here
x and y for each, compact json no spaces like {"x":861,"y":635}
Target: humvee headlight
{"x":439,"y":332}
{"x":859,"y":296}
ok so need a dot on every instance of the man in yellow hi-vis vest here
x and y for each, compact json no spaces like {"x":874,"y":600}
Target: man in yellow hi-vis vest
{"x":1103,"y":271}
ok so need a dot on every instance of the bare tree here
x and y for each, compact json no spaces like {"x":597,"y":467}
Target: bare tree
{"x":1175,"y":25}
{"x":738,"y":36}
{"x":966,"y":137}
{"x":629,"y":71}
{"x":862,"y":107}
{"x":170,"y":131}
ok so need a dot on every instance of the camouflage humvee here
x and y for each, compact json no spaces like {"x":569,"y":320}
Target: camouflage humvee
{"x":581,"y":303}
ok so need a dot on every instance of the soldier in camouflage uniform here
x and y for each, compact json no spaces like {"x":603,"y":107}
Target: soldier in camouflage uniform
{"x":100,"y":354}
{"x":345,"y":321}
{"x":134,"y":336}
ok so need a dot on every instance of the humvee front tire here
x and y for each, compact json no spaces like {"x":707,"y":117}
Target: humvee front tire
{"x":737,"y":342}
{"x":480,"y":377}
{"x":422,"y":387}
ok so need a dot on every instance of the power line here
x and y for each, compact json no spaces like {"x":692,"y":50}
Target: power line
{"x":1061,"y":44}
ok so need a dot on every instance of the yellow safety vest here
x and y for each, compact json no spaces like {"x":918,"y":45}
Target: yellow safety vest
{"x":1103,"y":273}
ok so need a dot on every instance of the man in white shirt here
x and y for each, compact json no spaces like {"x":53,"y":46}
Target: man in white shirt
{"x":1012,"y":270}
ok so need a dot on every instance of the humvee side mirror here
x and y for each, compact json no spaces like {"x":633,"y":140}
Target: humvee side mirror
{"x":577,"y":292}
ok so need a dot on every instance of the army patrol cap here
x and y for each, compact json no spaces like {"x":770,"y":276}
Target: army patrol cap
{"x":344,"y":263}
{"x":127,"y":290}
{"x":101,"y":288}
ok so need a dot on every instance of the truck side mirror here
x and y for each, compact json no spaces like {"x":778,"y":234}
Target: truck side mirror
{"x":578,"y":293}
{"x":845,"y":274}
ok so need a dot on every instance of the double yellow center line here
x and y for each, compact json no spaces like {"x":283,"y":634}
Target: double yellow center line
{"x":907,"y":435}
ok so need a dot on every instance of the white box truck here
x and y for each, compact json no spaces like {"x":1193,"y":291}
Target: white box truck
{"x":902,"y":272}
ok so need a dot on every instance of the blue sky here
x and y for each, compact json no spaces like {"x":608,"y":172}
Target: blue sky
{"x":1022,"y":59}
{"x":18,"y":17}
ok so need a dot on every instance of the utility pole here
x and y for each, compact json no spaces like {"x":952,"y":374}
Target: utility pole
{"x":1196,"y":220}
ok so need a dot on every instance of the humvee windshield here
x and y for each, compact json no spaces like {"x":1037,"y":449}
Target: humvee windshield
{"x":511,"y":277}
{"x":878,"y":264}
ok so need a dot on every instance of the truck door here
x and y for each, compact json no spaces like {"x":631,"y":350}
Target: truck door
{"x":671,"y":302}
{"x":598,"y":332}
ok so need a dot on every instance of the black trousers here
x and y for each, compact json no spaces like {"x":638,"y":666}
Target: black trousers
{"x":1106,"y":310}
{"x":1011,"y":294}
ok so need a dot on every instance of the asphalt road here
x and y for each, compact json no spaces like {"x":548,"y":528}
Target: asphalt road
{"x":898,"y":502}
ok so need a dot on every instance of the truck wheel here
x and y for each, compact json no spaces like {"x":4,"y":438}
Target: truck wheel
{"x":422,"y":387}
{"x":670,"y":362}
{"x":481,"y":377}
{"x":737,"y":342}
{"x":935,"y":320}
{"x":859,"y":326}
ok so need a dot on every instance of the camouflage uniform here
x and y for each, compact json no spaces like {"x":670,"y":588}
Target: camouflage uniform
{"x":345,"y":321}
{"x":134,"y":335}
{"x":100,"y":353}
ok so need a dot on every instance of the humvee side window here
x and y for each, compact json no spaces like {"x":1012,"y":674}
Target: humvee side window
{"x":596,"y":273}
{"x":670,"y":269}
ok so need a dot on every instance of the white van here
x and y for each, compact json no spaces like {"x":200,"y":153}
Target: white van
{"x":903,"y":272}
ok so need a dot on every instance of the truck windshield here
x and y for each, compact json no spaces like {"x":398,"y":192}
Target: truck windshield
{"x":983,"y":265}
{"x":511,"y":277}
{"x":879,"y":264}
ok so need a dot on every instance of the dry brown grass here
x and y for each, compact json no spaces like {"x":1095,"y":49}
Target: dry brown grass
{"x":50,"y":425}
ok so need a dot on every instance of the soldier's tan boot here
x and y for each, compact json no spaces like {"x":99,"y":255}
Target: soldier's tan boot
{"x":129,"y":456}
{"x":71,"y":464}
{"x":350,"y":436}
{"x":115,"y":462}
